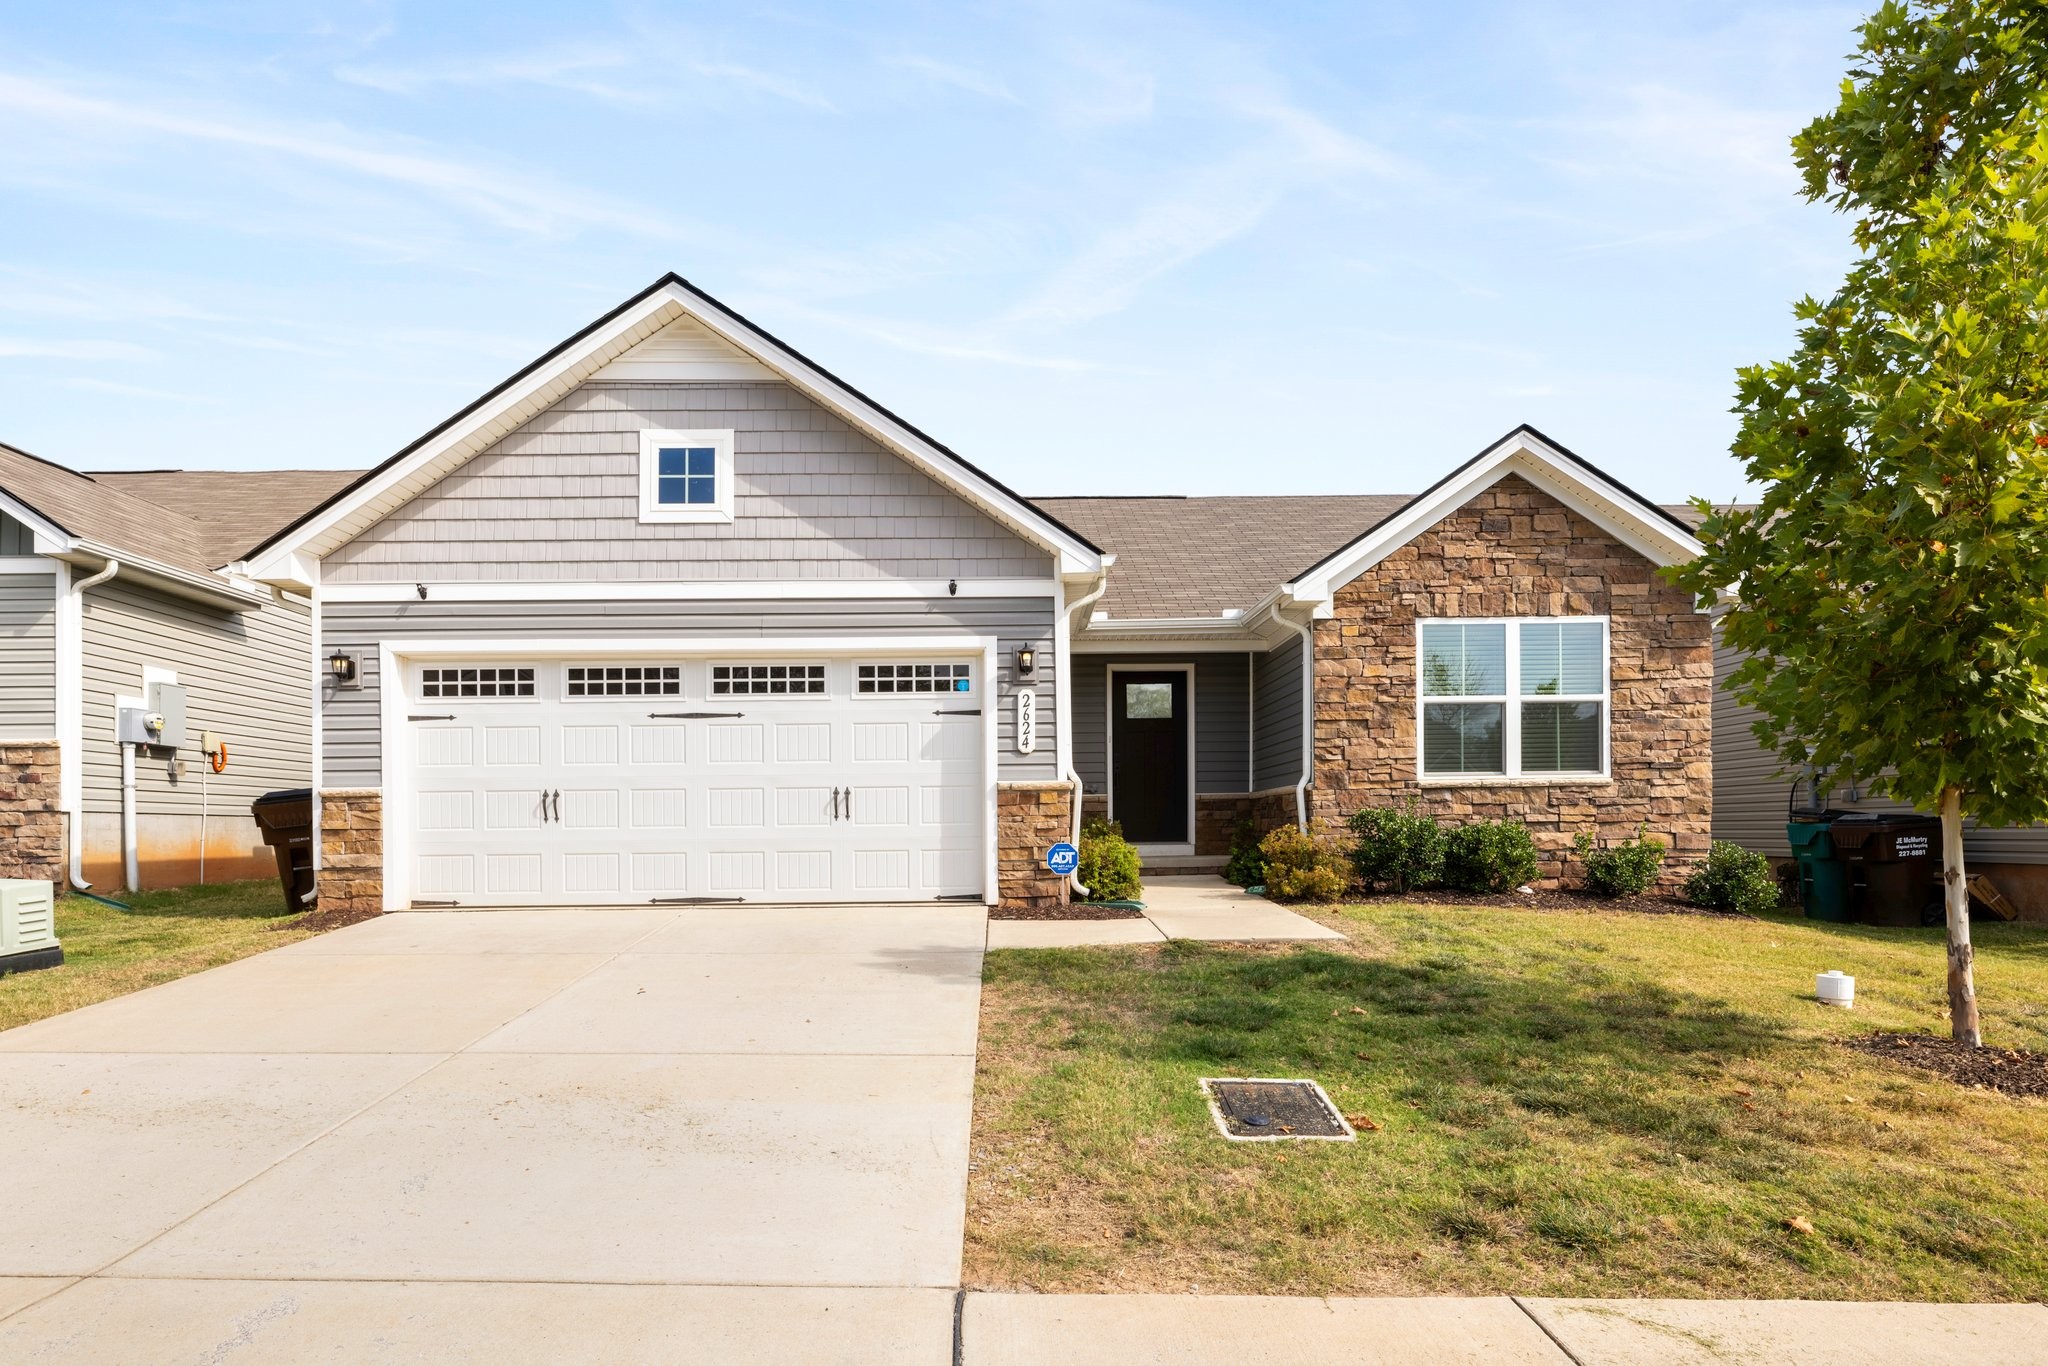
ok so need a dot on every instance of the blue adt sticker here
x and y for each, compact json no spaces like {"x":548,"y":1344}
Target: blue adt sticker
{"x":1062,"y":858}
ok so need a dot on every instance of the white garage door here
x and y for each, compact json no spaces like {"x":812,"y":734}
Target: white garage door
{"x":539,"y":782}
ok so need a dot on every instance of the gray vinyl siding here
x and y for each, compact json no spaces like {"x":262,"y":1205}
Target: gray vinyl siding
{"x":1276,"y":717}
{"x":558,"y":499}
{"x":15,"y":539}
{"x":1752,"y":797}
{"x":246,"y":676}
{"x":1222,"y":717}
{"x":350,"y":717}
{"x":28,"y":656}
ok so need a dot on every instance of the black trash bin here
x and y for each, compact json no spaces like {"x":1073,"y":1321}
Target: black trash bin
{"x":1895,"y":864}
{"x":286,"y":819}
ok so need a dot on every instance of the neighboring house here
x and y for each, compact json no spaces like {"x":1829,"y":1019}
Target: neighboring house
{"x":674,"y":614}
{"x":1754,"y":798}
{"x":112,"y":582}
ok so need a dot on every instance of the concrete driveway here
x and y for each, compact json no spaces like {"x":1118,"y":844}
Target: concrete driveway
{"x":527,"y":1136}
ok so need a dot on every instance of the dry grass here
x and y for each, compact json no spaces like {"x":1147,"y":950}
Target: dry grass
{"x":110,"y":952}
{"x":1573,"y":1104}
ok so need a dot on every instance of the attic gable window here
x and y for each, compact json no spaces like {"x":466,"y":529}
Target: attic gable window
{"x":1513,"y":698}
{"x":686,"y":476}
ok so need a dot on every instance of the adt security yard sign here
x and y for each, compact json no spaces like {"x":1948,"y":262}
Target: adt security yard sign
{"x":1062,"y":858}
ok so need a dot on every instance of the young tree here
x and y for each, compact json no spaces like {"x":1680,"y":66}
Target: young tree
{"x":1891,"y":588}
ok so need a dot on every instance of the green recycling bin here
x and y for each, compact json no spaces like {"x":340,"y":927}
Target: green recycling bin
{"x":1823,"y":878}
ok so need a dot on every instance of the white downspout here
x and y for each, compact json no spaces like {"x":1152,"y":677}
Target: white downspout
{"x":130,"y":861}
{"x":1308,"y":713}
{"x":1066,"y":714}
{"x":76,"y":702}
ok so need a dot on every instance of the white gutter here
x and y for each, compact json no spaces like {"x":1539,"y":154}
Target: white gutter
{"x":1308,"y":713}
{"x":1066,"y":692}
{"x":215,"y":590}
{"x":75,"y":711}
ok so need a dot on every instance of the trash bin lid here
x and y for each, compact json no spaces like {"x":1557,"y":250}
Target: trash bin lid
{"x":283,"y":795}
{"x":1888,"y":835}
{"x":1810,"y":835}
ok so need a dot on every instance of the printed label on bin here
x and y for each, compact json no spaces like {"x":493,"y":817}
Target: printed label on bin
{"x":1910,"y":846}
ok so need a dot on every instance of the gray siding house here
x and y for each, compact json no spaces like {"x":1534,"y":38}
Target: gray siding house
{"x":111,"y":583}
{"x":674,"y":614}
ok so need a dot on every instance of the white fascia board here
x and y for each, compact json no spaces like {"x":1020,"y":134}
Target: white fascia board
{"x":574,"y":646}
{"x":547,"y":383}
{"x":474,"y":431}
{"x":211,"y":589}
{"x":1170,"y":645}
{"x":27,"y":564}
{"x":1615,"y":511}
{"x":724,"y":590}
{"x":1019,"y":516}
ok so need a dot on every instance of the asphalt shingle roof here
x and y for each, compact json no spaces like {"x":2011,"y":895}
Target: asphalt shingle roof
{"x":1198,"y":557}
{"x":232,"y":509}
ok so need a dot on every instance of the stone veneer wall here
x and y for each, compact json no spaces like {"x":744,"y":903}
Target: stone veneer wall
{"x":1516,"y":551}
{"x":351,"y":852}
{"x":31,"y":817}
{"x":1030,"y":819}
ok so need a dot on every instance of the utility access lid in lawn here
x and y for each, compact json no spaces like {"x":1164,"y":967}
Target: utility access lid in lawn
{"x":1267,"y":1109}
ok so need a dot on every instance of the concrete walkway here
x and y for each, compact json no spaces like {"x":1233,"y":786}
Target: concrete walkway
{"x":1175,"y":908}
{"x":513,"y":1136}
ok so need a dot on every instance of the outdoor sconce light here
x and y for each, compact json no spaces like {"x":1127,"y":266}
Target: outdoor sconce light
{"x":1027,"y":661}
{"x":341,"y":666}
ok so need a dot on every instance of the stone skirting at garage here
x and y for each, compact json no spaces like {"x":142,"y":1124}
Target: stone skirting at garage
{"x":351,"y":851}
{"x":1030,"y":819}
{"x":31,"y":815}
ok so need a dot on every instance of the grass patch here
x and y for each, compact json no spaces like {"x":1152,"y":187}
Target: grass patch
{"x":110,"y":952}
{"x":1574,"y":1103}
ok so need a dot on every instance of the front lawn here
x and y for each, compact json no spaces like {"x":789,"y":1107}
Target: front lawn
{"x":110,"y":952}
{"x":1572,"y":1103}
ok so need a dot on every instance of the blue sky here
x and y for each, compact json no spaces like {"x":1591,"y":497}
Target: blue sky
{"x":1100,"y":247}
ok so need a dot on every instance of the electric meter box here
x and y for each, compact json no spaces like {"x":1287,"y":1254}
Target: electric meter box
{"x":161,"y":723}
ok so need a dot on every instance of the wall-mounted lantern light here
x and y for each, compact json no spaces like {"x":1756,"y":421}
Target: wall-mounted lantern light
{"x":342,"y":668}
{"x":1027,"y":662}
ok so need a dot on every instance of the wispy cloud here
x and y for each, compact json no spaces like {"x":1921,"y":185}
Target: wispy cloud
{"x":107,"y":386}
{"x":570,"y":69}
{"x":508,"y":199}
{"x":960,"y":77}
{"x":927,"y":340}
{"x":47,"y":348}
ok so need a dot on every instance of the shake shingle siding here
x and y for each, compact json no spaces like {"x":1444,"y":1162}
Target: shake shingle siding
{"x":1222,"y":710}
{"x":558,"y":499}
{"x":28,"y":657}
{"x":350,"y":717}
{"x":1276,"y":717}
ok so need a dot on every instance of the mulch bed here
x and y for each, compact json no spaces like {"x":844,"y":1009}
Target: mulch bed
{"x":322,"y":921}
{"x":1078,"y":910}
{"x":1558,"y":899}
{"x":2014,"y":1071}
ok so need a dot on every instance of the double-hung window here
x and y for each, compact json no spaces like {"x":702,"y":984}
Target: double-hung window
{"x":686,"y":476}
{"x":1518,"y":698}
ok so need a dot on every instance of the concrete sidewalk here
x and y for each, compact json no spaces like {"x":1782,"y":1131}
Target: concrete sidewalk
{"x":1198,"y":1330}
{"x":1175,"y":908}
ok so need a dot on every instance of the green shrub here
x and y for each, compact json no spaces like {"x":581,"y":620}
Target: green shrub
{"x":1399,"y":849}
{"x":1625,"y":869}
{"x":1310,"y":866}
{"x":1489,"y":856}
{"x":1109,"y":864}
{"x":1732,"y":878}
{"x":1247,"y":866}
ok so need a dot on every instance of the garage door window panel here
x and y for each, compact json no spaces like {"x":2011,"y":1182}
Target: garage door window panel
{"x":898,"y":680}
{"x":768,"y":680}
{"x":623,"y":680}
{"x":478,"y":680}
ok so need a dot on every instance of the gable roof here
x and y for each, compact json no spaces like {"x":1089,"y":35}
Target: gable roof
{"x":1651,"y":530}
{"x":75,"y":505}
{"x":1202,"y":557}
{"x":285,"y":555}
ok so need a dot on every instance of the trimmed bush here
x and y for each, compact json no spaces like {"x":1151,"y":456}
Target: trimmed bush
{"x":1247,"y":866}
{"x":1625,"y":869}
{"x":1398,"y":849}
{"x":1109,"y":864}
{"x":1305,"y":867}
{"x":1489,"y":856}
{"x":1732,"y":878}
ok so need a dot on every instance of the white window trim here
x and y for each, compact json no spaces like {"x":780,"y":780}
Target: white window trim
{"x":711,"y":682}
{"x":652,"y":509}
{"x":1511,"y":707}
{"x":539,"y":668}
{"x":853,"y":679}
{"x":575,"y":699}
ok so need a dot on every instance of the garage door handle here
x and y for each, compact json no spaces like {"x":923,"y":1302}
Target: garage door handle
{"x":835,"y":803}
{"x":967,"y":711}
{"x":558,"y":805}
{"x":693,"y":715}
{"x":449,"y":717}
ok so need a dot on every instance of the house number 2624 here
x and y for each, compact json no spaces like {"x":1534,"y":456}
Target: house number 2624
{"x":1027,"y":721}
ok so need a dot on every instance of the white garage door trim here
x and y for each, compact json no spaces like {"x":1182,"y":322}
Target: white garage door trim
{"x":396,"y":700}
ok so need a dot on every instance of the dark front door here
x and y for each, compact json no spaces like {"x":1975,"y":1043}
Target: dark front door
{"x":1148,"y":754}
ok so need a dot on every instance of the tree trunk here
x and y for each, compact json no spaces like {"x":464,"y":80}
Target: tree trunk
{"x":1962,"y":986}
